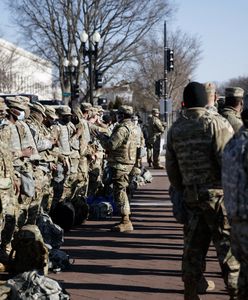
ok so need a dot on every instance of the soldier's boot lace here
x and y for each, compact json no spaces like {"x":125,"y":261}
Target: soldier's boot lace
{"x":204,"y":286}
{"x":124,"y":226}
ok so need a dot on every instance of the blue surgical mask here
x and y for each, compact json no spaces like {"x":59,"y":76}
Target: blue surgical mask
{"x":22,"y":115}
{"x":3,"y":122}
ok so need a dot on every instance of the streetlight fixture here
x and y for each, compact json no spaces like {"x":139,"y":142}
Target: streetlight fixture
{"x":90,"y":51}
{"x":71,"y":75}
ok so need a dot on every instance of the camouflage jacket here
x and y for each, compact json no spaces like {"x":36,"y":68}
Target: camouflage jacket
{"x":194,"y":148}
{"x":122,"y":144}
{"x":155,"y":128}
{"x":233,"y":117}
{"x":235,"y":176}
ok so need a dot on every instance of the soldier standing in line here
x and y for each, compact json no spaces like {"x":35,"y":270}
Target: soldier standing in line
{"x":9,"y":187}
{"x":44,"y":143}
{"x":69,"y":147}
{"x":25,"y":154}
{"x":235,"y":179}
{"x":121,"y":150}
{"x":155,"y":128}
{"x":233,"y":106}
{"x":195,"y":144}
{"x":211,"y":96}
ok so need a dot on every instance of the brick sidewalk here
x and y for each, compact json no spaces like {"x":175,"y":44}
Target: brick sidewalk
{"x":144,"y":264}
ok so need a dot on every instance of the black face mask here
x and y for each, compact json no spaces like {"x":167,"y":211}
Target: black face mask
{"x":74,"y":119}
{"x":65,"y":119}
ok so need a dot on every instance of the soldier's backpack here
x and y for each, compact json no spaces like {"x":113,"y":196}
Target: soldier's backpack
{"x":52,"y":233}
{"x":33,"y":286}
{"x":81,"y":208}
{"x":63,"y":214}
{"x":58,"y":260}
{"x":147,"y":175}
{"x":29,"y":251}
{"x":234,"y":176}
{"x":101,"y":210}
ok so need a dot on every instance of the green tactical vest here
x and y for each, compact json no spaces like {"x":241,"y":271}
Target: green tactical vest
{"x":192,"y":142}
{"x":126,"y":153}
{"x":234,"y":176}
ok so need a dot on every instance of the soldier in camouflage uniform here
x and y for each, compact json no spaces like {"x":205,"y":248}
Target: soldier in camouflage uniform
{"x":44,"y":142}
{"x":193,"y":162}
{"x":121,"y":150}
{"x":235,"y":179}
{"x":233,"y":106}
{"x":69,"y":147}
{"x":9,"y":185}
{"x":211,"y":96}
{"x":155,"y":128}
{"x":25,"y":154}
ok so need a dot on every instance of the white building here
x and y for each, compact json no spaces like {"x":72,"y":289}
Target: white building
{"x":122,"y":91}
{"x":24,"y":72}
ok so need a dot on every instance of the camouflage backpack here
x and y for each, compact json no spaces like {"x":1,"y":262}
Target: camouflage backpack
{"x":52,"y":233}
{"x":234,"y":176}
{"x":29,"y":251}
{"x":33,"y":286}
{"x":101,"y":210}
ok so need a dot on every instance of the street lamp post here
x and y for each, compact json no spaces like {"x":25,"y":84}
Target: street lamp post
{"x":71,"y":76}
{"x":91,"y":52}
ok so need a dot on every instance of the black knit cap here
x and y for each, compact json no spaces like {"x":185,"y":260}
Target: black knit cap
{"x":194,"y":95}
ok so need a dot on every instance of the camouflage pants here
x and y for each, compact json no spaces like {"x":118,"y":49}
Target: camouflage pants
{"x":149,"y":152}
{"x":95,"y":174}
{"x":9,"y":210}
{"x":83,"y":176}
{"x":47,"y":197}
{"x":120,"y":178}
{"x":153,"y":150}
{"x":207,"y":223}
{"x":239,"y":237}
{"x":30,"y":206}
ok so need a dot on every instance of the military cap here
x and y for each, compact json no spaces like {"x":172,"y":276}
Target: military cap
{"x":51,"y":112}
{"x":64,"y":110}
{"x":155,"y":111}
{"x":125,"y":109}
{"x":234,"y":92}
{"x":3,"y":105}
{"x":93,"y":112}
{"x":14,"y":102}
{"x":23,"y":99}
{"x":38,"y":107}
{"x":86,"y":105}
{"x":210,"y":87}
{"x":99,"y":108}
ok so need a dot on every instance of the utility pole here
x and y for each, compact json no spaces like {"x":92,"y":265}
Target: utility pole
{"x":165,"y":63}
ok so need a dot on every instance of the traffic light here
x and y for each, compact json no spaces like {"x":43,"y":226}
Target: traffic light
{"x":98,"y":79}
{"x":170,"y":60}
{"x":75,"y":91}
{"x":159,"y":87}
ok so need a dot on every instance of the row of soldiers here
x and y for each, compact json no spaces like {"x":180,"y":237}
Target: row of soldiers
{"x":206,"y":151}
{"x":49,"y":155}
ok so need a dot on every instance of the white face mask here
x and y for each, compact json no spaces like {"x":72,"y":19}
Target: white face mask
{"x":3,"y":122}
{"x":22,"y":115}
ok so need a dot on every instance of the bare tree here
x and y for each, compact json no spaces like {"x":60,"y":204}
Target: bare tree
{"x":241,"y":81}
{"x":150,"y":67}
{"x":53,"y":29}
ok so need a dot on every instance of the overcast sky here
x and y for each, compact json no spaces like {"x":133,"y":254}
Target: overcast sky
{"x":220,"y":24}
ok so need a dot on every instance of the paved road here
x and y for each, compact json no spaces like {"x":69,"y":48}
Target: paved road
{"x":144,"y":264}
